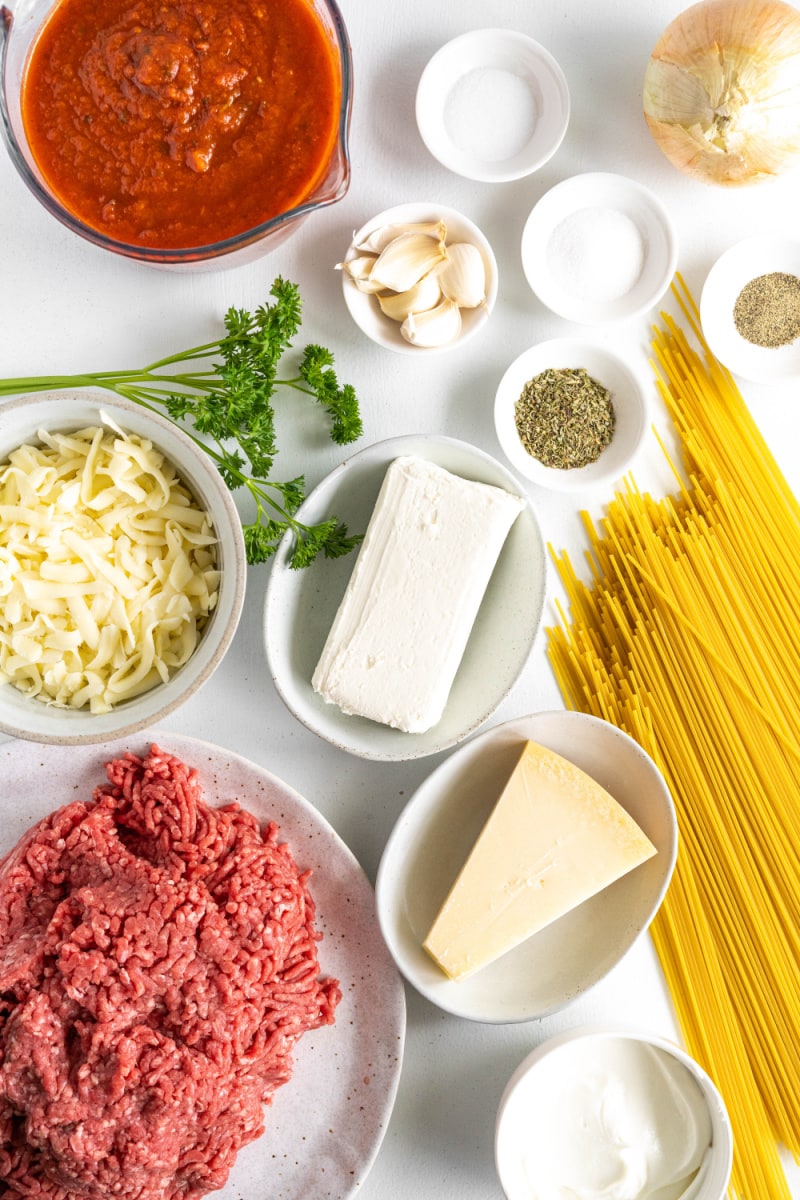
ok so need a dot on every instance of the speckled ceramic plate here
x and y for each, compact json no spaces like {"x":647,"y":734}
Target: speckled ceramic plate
{"x":301,"y":605}
{"x":325,"y":1126}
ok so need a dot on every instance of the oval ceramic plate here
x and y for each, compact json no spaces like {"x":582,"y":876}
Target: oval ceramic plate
{"x":301,"y":605}
{"x":739,"y":265}
{"x":438,"y":828}
{"x":628,"y":397}
{"x":605,"y":191}
{"x":324,"y":1127}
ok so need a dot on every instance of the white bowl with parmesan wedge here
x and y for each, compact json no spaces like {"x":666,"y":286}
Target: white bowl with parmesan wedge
{"x":409,"y":647}
{"x":122,"y":567}
{"x":526,"y":865}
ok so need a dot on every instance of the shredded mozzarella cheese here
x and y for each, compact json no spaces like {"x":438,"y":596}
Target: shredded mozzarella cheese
{"x":108,"y":568}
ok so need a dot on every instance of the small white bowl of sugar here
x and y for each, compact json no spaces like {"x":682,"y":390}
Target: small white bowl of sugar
{"x":492,"y":105}
{"x":599,"y":248}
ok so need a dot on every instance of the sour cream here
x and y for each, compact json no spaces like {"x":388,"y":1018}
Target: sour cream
{"x":606,"y":1118}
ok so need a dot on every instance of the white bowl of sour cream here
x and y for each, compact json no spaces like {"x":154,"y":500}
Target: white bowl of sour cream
{"x":603,"y":1112}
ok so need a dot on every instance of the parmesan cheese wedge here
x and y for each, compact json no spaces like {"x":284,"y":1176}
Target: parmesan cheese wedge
{"x":554,"y":838}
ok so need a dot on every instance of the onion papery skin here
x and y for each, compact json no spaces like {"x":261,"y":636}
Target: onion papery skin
{"x":722,"y":91}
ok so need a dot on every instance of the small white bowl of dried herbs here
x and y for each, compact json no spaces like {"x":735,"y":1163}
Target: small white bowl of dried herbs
{"x":571,"y":414}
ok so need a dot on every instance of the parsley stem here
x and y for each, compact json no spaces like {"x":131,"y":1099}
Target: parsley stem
{"x":226,"y":410}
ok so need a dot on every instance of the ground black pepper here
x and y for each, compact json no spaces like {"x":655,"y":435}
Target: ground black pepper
{"x":564,"y":417}
{"x":767,"y":310}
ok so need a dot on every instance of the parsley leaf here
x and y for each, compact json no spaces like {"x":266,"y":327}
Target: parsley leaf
{"x":224,"y":391}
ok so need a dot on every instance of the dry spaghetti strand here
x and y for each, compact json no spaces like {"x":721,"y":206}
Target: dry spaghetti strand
{"x":686,"y":639}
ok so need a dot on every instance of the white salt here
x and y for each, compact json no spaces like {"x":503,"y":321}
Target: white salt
{"x":491,"y":114}
{"x":597,"y":253}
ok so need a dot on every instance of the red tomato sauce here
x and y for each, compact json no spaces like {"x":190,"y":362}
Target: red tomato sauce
{"x":177,"y":125}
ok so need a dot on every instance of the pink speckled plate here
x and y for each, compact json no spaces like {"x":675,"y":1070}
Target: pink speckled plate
{"x":325,"y":1126}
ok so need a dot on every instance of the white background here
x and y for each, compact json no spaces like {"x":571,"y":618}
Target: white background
{"x":66,"y":306}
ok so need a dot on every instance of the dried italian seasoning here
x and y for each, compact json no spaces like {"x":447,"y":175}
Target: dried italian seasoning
{"x":767,"y":310}
{"x":564,"y":417}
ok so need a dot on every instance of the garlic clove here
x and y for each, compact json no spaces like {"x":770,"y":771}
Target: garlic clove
{"x":423,"y":295}
{"x":436,"y":327}
{"x":406,"y":259}
{"x":462,"y":278}
{"x":359,"y":269}
{"x":380,"y":238}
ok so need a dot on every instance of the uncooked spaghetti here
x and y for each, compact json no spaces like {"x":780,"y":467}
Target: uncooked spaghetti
{"x":686,"y":638}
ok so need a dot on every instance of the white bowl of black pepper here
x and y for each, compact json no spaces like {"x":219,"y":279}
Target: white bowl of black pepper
{"x":571,"y":414}
{"x":750,"y":309}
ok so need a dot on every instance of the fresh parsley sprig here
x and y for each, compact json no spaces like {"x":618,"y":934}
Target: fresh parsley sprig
{"x":223,"y":392}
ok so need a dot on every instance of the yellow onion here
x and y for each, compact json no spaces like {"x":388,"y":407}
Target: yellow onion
{"x":722,"y":90}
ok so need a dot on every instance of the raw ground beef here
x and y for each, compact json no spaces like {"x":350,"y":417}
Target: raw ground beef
{"x":157,"y":964}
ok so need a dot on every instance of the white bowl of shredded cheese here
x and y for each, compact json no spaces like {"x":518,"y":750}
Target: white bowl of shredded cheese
{"x":122,"y":567}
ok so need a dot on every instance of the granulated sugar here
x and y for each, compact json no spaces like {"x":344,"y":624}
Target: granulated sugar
{"x":491,"y":114}
{"x":597,"y":253}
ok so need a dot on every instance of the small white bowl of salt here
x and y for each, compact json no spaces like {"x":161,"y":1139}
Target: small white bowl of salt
{"x":492,"y":105}
{"x":599,"y":248}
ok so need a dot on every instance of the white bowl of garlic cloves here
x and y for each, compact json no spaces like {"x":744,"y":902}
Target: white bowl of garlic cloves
{"x":419,"y":278}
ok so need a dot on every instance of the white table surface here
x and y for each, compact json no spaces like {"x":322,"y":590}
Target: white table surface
{"x":66,"y":306}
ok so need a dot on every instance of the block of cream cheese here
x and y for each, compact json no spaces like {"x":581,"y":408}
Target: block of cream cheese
{"x":401,"y":629}
{"x":554,"y":838}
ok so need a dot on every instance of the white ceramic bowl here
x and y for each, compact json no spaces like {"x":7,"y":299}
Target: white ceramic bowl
{"x":24,"y":717}
{"x":628,"y":397}
{"x":365,"y":310}
{"x":557,"y":279}
{"x":301,"y":605}
{"x":739,"y":265}
{"x":438,"y":828}
{"x":492,"y":105}
{"x":532,"y":1086}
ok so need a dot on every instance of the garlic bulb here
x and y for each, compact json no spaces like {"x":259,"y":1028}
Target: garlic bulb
{"x":722,"y":90}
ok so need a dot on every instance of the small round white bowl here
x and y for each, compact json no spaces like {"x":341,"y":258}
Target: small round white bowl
{"x":602,"y":191}
{"x":546,"y":1063}
{"x":472,"y":76}
{"x":24,"y":717}
{"x":628,"y":396}
{"x":300,"y":607}
{"x":438,"y":828}
{"x":740,"y":264}
{"x":365,"y":310}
